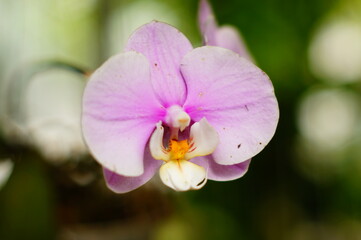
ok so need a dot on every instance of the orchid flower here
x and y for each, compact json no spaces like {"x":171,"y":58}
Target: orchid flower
{"x":225,"y":36}
{"x":194,"y":114}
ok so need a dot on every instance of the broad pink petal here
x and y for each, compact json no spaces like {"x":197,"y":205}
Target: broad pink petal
{"x":230,"y":38}
{"x":122,"y":184}
{"x":236,"y":98}
{"x":120,"y":111}
{"x":218,"y":172}
{"x":207,"y":23}
{"x":164,"y":46}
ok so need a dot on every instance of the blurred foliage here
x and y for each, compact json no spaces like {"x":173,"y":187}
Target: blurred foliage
{"x":275,"y":200}
{"x":26,"y":204}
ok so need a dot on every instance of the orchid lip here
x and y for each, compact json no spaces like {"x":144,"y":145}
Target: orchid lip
{"x":183,"y":175}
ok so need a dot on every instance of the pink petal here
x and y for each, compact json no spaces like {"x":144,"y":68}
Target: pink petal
{"x":120,"y":111}
{"x":122,"y":184}
{"x":207,"y":23}
{"x":164,"y":46}
{"x":226,"y":36}
{"x":230,"y":38}
{"x":236,"y":98}
{"x":219,"y":172}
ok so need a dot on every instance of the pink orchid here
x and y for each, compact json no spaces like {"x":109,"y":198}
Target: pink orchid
{"x":225,"y":36}
{"x":194,"y":114}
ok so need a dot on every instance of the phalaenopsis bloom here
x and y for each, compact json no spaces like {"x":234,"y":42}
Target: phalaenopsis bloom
{"x":192,"y":114}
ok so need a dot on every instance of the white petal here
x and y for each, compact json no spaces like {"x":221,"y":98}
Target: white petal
{"x":183,"y":175}
{"x":204,"y":139}
{"x":156,"y":144}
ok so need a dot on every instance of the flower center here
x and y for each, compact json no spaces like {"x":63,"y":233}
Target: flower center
{"x":177,"y":149}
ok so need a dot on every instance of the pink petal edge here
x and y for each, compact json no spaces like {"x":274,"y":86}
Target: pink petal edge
{"x":218,"y":172}
{"x":207,"y":23}
{"x":225,"y":36}
{"x":229,"y":37}
{"x":122,"y":184}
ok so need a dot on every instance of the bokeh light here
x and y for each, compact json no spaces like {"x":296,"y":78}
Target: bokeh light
{"x":335,"y":51}
{"x":328,"y":118}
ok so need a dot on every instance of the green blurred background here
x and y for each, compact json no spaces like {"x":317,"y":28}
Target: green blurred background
{"x":305,"y":185}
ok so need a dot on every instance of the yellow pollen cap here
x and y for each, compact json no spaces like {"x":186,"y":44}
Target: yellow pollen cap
{"x":178,"y":149}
